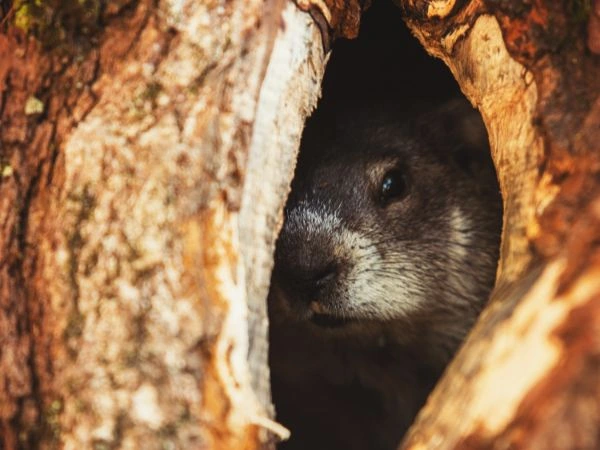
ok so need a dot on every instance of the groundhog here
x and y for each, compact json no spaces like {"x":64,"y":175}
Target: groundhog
{"x":387,"y":254}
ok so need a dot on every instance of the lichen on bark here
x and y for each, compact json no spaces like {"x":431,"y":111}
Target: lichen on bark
{"x":53,"y":22}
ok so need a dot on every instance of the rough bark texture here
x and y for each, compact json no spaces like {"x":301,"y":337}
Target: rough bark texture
{"x":335,"y":18}
{"x":527,"y":376}
{"x":146,"y":150}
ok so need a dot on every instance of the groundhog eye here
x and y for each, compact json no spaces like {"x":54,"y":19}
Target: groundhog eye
{"x":393,"y":187}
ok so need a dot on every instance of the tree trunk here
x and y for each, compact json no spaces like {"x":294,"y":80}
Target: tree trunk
{"x":146,"y":150}
{"x":528,"y":374}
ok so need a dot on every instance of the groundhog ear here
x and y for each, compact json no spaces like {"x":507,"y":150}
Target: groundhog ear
{"x":458,"y":133}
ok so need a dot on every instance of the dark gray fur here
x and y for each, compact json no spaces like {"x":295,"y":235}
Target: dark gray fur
{"x":368,"y":301}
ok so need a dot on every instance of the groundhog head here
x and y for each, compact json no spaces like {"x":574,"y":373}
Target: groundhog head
{"x":389,"y":219}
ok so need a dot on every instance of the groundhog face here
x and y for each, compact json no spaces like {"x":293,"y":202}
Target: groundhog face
{"x":384,"y":224}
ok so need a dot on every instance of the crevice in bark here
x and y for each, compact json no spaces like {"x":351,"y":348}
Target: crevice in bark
{"x":29,"y":435}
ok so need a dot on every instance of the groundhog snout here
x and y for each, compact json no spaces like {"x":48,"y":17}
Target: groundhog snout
{"x":307,"y":266}
{"x":308,"y":271}
{"x":311,"y":283}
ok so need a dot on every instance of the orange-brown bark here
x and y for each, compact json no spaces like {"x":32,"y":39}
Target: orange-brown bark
{"x":525,"y":377}
{"x":37,"y":112}
{"x":133,"y":141}
{"x":335,"y":18}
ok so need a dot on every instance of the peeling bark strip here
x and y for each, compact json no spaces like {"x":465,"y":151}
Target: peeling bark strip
{"x":288,"y":93}
{"x":471,"y":44}
{"x":135,"y":251}
{"x":335,"y":18}
{"x":531,"y":382}
{"x":527,"y":377}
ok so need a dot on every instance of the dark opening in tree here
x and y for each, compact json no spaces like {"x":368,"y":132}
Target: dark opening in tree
{"x":389,"y":245}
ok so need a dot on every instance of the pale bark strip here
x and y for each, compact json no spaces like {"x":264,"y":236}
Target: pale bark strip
{"x":506,"y":96}
{"x":288,"y":94}
{"x":493,"y":377}
{"x":527,"y":375}
{"x":148,"y":265}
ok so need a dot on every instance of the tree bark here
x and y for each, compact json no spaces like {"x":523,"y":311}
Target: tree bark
{"x":527,"y":375}
{"x":146,"y":150}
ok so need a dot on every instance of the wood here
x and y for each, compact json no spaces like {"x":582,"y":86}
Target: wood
{"x":146,"y":151}
{"x":527,"y":376}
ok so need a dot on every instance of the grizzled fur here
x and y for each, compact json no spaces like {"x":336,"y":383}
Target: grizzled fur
{"x":370,"y":296}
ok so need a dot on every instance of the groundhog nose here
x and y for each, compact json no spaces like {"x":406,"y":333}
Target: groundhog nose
{"x":325,"y":276}
{"x":308,"y":282}
{"x":313,"y":279}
